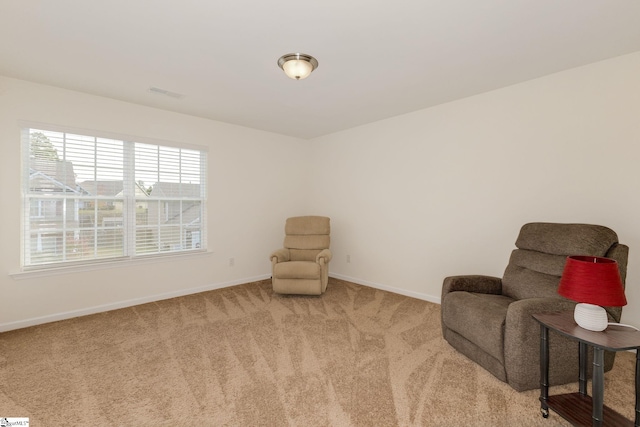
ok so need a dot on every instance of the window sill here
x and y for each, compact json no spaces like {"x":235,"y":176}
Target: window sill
{"x":102,"y":265}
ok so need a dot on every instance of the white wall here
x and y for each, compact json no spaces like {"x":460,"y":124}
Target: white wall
{"x":444,"y":191}
{"x":413,"y":199}
{"x":250,"y":194}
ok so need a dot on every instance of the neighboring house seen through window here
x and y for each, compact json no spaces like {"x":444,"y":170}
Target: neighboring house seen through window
{"x":89,"y":198}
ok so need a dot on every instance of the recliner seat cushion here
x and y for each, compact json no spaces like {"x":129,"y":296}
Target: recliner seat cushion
{"x":479,"y":318}
{"x":304,"y":254}
{"x":297,"y":270}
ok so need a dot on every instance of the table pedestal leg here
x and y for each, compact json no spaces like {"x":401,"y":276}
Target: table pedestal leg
{"x":544,"y":370}
{"x":637,"y":422}
{"x":598,"y":385}
{"x":582,"y":361}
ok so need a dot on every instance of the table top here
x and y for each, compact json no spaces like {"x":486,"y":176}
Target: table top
{"x":614,"y":338}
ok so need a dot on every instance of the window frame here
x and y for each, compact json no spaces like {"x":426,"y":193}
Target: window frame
{"x":130,"y":202}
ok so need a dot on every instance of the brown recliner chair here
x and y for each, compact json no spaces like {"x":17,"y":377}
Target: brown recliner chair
{"x":302,"y":266}
{"x":489,"y":319}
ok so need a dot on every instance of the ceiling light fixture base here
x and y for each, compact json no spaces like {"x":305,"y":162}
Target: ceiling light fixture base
{"x":298,"y":66}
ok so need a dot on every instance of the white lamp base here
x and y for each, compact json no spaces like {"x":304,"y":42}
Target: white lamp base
{"x":591,"y":317}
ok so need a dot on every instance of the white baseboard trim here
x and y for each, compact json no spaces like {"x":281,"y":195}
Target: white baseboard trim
{"x":9,"y":326}
{"x":400,"y":291}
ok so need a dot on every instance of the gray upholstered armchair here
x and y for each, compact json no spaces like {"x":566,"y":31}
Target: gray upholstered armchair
{"x":302,"y":266}
{"x":489,"y":320}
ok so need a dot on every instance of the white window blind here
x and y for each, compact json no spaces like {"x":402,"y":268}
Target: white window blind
{"x":89,"y":198}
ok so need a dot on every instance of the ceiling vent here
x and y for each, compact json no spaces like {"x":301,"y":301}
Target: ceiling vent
{"x":164,"y":92}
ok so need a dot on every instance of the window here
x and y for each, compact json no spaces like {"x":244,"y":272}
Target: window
{"x":89,"y":198}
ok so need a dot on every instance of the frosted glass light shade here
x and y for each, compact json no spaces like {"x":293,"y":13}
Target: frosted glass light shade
{"x":298,"y":66}
{"x":297,"y":69}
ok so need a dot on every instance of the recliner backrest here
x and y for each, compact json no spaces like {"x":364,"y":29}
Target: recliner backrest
{"x":306,"y":236}
{"x":535,"y":268}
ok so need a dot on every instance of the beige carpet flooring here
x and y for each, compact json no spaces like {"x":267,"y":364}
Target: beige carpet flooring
{"x":243,"y":356}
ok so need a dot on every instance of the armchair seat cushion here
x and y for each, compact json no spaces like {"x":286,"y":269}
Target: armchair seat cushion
{"x":480,"y":318}
{"x":297,"y":270}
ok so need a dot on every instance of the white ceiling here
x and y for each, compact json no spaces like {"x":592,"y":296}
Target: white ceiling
{"x":378,"y":59}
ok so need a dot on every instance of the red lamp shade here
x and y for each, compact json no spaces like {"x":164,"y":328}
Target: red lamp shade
{"x":592,"y":280}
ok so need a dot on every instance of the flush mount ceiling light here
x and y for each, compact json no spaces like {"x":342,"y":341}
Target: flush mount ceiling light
{"x":297,"y":65}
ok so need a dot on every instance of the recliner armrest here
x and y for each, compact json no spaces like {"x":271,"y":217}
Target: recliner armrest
{"x":281,"y":255}
{"x":324,"y":256}
{"x":472,"y":283}
{"x":520,"y":315}
{"x":522,"y":341}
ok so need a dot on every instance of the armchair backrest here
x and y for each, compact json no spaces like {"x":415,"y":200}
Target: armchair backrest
{"x":306,"y":236}
{"x":536,"y":265}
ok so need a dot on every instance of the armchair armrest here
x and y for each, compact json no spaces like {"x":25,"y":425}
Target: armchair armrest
{"x":324,"y":256}
{"x":525,"y":308}
{"x":520,"y":324}
{"x":472,"y":283}
{"x":522,"y":341}
{"x":280,"y":255}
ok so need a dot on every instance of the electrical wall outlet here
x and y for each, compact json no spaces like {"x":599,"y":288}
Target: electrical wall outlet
{"x":232,"y":262}
{"x":348,"y":259}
